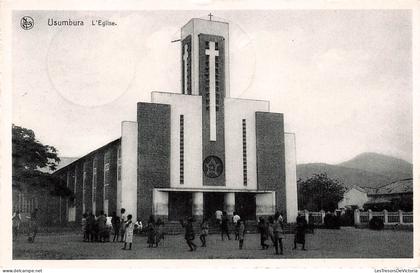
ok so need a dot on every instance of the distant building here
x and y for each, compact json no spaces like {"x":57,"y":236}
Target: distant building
{"x":395,"y":196}
{"x":354,"y":197}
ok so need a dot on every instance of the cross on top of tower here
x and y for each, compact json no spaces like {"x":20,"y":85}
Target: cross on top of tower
{"x":210,"y":15}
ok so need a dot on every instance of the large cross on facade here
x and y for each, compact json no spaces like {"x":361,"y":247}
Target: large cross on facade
{"x":185,"y":58}
{"x":212,"y":53}
{"x":210,"y":15}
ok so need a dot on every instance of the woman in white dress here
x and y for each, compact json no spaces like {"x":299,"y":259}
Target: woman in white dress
{"x":129,"y":232}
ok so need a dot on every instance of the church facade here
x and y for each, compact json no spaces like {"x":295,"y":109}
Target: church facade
{"x":194,"y":152}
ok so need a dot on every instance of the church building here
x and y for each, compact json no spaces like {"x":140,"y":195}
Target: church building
{"x":193,"y":152}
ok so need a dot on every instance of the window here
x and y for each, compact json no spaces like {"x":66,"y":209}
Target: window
{"x":94,"y":184}
{"x":181,"y":149}
{"x":84,"y":186}
{"x":107,"y":159}
{"x":75,"y":182}
{"x":244,"y":162}
{"x":119,"y":163}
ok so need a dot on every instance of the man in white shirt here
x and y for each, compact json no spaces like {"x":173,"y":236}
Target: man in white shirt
{"x":218,"y":215}
{"x":235,"y":220}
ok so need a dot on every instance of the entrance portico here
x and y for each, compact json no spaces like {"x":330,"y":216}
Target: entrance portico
{"x":175,"y":204}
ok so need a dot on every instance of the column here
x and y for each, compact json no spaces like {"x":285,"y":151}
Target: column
{"x":356,"y":217}
{"x":230,"y":202}
{"x":160,"y":205}
{"x":197,"y":205}
{"x":370,"y":214}
{"x":385,"y":216}
{"x":265,"y":204}
{"x":400,"y":214}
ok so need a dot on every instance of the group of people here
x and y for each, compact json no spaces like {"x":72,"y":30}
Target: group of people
{"x":222,"y":221}
{"x":99,"y":228}
{"x":272,"y":229}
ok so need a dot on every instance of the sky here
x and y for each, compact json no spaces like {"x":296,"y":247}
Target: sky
{"x":342,"y":78}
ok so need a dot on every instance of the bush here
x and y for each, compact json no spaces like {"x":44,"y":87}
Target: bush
{"x":347,"y":219}
{"x":376,"y":223}
{"x":332,"y":221}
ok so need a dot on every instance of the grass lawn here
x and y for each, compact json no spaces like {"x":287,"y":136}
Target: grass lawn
{"x":344,"y":243}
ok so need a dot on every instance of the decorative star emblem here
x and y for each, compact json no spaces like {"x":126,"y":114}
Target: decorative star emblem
{"x":212,"y":167}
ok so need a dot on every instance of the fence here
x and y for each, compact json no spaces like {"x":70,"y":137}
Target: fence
{"x":399,"y":217}
{"x":363,"y":217}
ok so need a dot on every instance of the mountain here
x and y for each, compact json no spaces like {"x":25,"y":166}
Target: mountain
{"x":365,"y":170}
{"x":392,"y":167}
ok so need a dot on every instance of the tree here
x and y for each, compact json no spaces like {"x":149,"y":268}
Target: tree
{"x":31,"y":162}
{"x":319,"y":192}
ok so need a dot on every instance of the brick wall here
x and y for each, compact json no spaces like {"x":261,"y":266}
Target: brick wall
{"x":154,"y":140}
{"x":271,"y":155}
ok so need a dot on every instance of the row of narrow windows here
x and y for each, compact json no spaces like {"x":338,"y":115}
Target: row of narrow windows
{"x":72,"y":176}
{"x":181,"y":149}
{"x":244,"y":161}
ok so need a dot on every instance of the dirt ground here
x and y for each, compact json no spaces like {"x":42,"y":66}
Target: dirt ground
{"x":343,"y":243}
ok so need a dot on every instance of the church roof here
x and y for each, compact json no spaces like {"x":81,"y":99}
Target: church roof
{"x":70,"y":160}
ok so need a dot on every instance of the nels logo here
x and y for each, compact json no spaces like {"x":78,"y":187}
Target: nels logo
{"x":27,"y":22}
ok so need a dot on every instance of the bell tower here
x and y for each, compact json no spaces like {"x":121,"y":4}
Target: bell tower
{"x":205,"y":73}
{"x":196,"y":34}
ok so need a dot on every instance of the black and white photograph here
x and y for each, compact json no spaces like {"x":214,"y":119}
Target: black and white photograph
{"x":191,"y":134}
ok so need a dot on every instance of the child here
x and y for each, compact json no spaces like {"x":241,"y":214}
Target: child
{"x":189,"y":233}
{"x":241,"y":232}
{"x":122,"y":227}
{"x":235,"y":220}
{"x":151,"y":231}
{"x":129,"y":230}
{"x":204,"y":232}
{"x":270,"y":229}
{"x":138,"y":226}
{"x":115,"y":225}
{"x":84,"y":228}
{"x":159,"y":232}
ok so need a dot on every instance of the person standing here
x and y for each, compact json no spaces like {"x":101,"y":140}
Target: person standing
{"x":33,"y":226}
{"x":84,"y":228}
{"x":138,"y":226}
{"x":189,"y":233}
{"x":102,"y":227}
{"x":204,"y":232}
{"x":129,"y":231}
{"x":262,"y":229}
{"x":300,"y":232}
{"x":116,"y":222}
{"x":278,"y":234}
{"x":151,"y":231}
{"x":235,"y":220}
{"x":16,"y":220}
{"x":225,"y":225}
{"x":241,"y":232}
{"x":159,"y":232}
{"x":122,"y":226}
{"x":270,"y":229}
{"x":218,"y":214}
